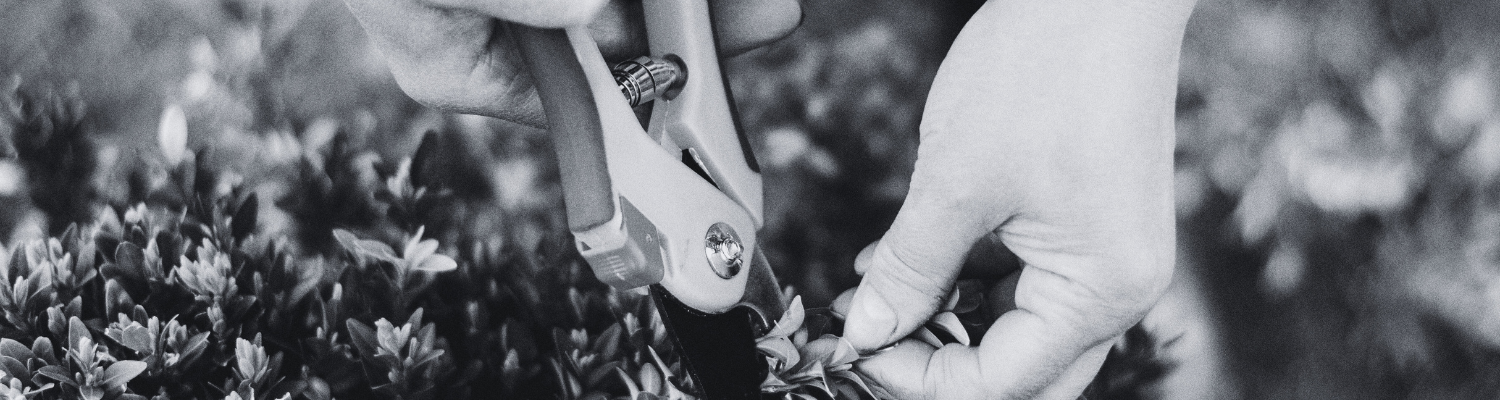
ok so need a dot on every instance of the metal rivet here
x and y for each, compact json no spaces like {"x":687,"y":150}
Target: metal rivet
{"x":725,"y":253}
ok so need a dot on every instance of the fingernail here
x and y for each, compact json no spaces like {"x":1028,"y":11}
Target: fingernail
{"x":842,"y":304}
{"x":868,"y":354}
{"x":871,"y":322}
{"x":863,"y":259}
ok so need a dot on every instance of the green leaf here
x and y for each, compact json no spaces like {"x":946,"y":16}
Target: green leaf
{"x":598,"y":374}
{"x":419,"y":250}
{"x":607,"y":344}
{"x":425,"y":337}
{"x":71,"y":238}
{"x":91,"y":392}
{"x":437,"y":263}
{"x":116,"y":299}
{"x":427,"y":358}
{"x":362,"y":336}
{"x":195,"y":345}
{"x":129,"y":261}
{"x":13,"y":349}
{"x":781,"y":349}
{"x":811,"y":373}
{"x":651,"y":379}
{"x":830,"y":351}
{"x":390,"y":361}
{"x":512,"y":364}
{"x":773,"y":384}
{"x":926,"y":336}
{"x":74,"y":307}
{"x":856,"y":380}
{"x":657,"y":357}
{"x":389,"y":337}
{"x":415,"y":319}
{"x":18,"y":263}
{"x":635,"y":391}
{"x":248,"y":358}
{"x":56,"y":322}
{"x":790,"y":320}
{"x":13,"y":367}
{"x":243,"y":222}
{"x":364,"y":248}
{"x":76,"y":332}
{"x":57,"y":374}
{"x":42,"y":348}
{"x":137,"y":338}
{"x":122,"y":371}
{"x":948,"y":323}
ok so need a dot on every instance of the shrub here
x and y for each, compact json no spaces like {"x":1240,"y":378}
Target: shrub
{"x":185,"y":293}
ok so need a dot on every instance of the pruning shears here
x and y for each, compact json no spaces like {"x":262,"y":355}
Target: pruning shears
{"x":674,"y":205}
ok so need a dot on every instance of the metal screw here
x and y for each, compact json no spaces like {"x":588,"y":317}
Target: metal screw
{"x":724,"y":250}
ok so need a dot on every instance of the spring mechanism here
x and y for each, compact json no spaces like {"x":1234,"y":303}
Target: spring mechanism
{"x":644,"y":79}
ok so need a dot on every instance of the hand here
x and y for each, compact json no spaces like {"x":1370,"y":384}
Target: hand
{"x":456,"y":55}
{"x":1050,"y":124}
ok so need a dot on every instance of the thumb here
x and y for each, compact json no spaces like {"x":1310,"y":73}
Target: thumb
{"x":910,"y":270}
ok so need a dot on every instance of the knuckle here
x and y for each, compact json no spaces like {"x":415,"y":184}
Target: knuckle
{"x":962,"y":193}
{"x":1128,"y":296}
{"x":1142,"y":279}
{"x":952,"y":374}
{"x":1111,"y":296}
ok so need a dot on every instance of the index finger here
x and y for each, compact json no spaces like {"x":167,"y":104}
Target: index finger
{"x":538,"y":13}
{"x":450,"y":59}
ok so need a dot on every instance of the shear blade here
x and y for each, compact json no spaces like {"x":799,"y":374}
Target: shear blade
{"x":718,"y":349}
{"x":762,"y":293}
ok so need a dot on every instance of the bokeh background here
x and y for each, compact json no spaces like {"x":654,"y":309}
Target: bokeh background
{"x":1338,"y":162}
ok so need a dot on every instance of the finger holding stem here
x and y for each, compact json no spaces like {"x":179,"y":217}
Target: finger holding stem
{"x":1051,"y":124}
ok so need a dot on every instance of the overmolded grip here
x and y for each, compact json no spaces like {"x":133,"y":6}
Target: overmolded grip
{"x":573,"y":123}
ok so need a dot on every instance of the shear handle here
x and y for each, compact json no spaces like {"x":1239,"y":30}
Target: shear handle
{"x":573,"y":122}
{"x":642,"y":216}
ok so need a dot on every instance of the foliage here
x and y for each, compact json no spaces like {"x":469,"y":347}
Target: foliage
{"x":182,"y":295}
{"x":280,"y":222}
{"x":47,"y":137}
{"x":1336,"y":187}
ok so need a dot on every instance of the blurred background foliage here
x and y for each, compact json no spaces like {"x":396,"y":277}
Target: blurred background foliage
{"x":1339,"y":212}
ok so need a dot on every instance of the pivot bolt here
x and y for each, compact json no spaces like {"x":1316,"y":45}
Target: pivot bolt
{"x":725,"y":253}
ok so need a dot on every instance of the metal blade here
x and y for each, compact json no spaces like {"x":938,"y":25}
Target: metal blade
{"x":762,"y":291}
{"x":718,"y":349}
